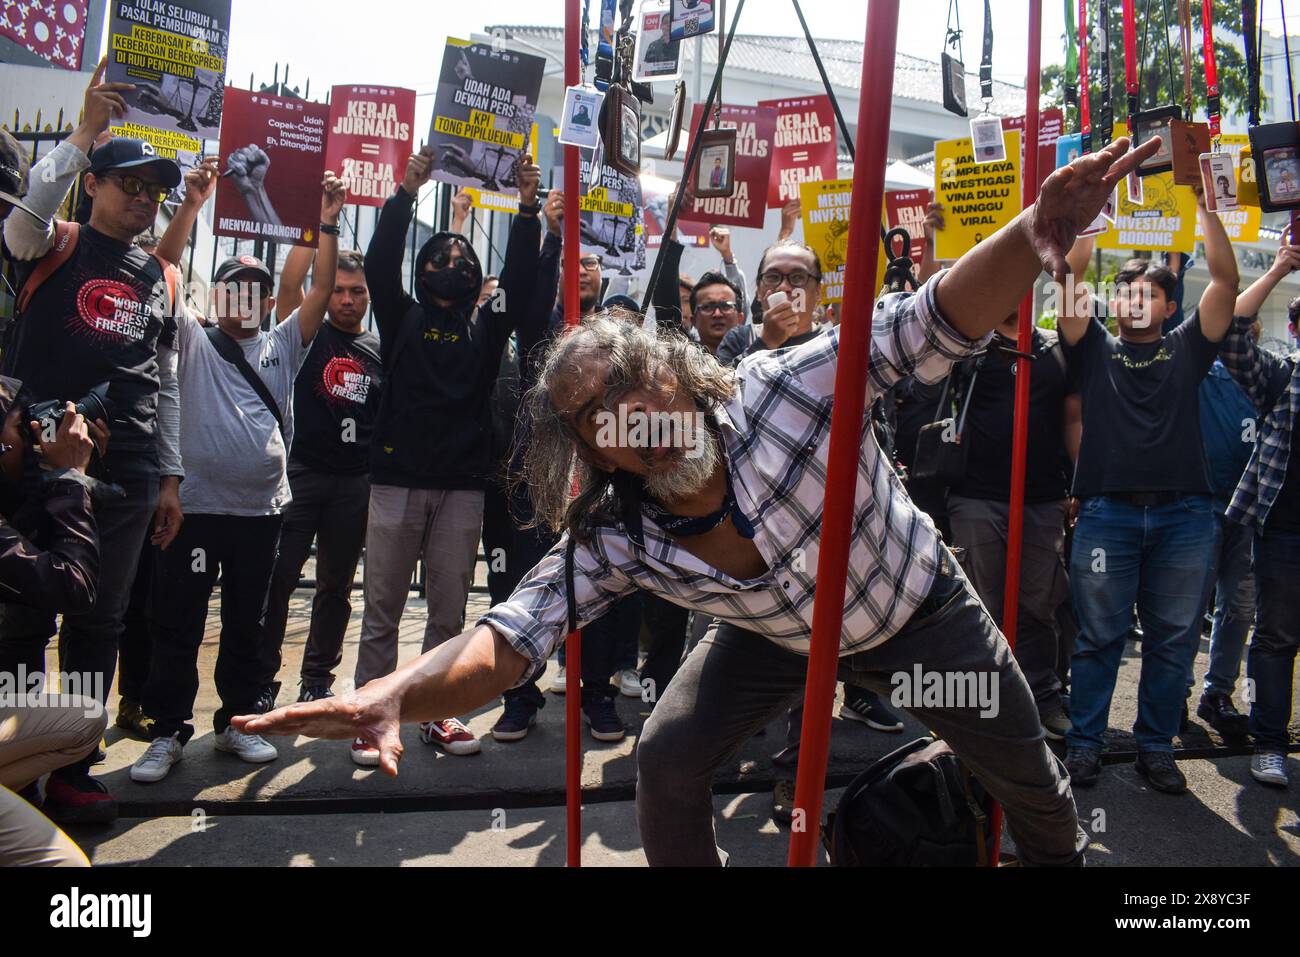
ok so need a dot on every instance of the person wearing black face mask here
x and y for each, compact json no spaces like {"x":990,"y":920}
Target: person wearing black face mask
{"x":431,"y":452}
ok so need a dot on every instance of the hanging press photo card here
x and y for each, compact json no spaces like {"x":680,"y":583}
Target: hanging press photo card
{"x":986,"y":139}
{"x":954,"y":84}
{"x":1149,"y":123}
{"x":1276,"y":150}
{"x":658,"y":55}
{"x":715,"y":175}
{"x":580,"y":121}
{"x":1189,"y":142}
{"x":1219,"y":176}
{"x":1134,"y":185}
{"x":1106,"y":218}
{"x":690,"y":18}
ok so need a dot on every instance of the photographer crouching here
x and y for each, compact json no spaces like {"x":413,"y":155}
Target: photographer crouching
{"x":49,"y":559}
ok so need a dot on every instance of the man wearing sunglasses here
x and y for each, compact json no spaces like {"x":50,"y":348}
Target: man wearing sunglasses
{"x":99,"y":317}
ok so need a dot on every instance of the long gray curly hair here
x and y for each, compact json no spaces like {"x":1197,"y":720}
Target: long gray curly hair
{"x":628,"y":357}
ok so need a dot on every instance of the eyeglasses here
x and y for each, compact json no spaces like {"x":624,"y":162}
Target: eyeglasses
{"x":134,"y":186}
{"x":797,"y":279}
{"x":589,"y":263}
{"x":713,"y":308}
{"x":442,"y":259}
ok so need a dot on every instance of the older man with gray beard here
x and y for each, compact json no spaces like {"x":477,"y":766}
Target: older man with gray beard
{"x":724,"y":515}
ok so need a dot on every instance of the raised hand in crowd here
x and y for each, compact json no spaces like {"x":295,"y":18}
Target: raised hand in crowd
{"x":720,"y":239}
{"x":933,"y":225}
{"x":200,"y":184}
{"x":103,"y":102}
{"x":790,"y":214}
{"x":780,"y":321}
{"x":1286,"y":262}
{"x":529,"y":179}
{"x":461,"y":204}
{"x":72,"y":444}
{"x":418,"y":170}
{"x":553,"y":211}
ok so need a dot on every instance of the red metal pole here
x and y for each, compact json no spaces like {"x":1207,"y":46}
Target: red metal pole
{"x":573,"y":643}
{"x":860,"y":286}
{"x":1024,"y":368}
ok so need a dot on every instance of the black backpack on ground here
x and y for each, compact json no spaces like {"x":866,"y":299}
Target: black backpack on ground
{"x":915,"y":807}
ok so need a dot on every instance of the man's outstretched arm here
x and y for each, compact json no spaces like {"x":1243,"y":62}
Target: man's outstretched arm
{"x":987,"y":284}
{"x":457,"y":677}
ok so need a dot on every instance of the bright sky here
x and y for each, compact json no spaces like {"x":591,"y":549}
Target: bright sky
{"x":400,"y":42}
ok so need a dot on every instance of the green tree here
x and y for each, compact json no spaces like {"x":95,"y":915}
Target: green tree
{"x":1152,"y":18}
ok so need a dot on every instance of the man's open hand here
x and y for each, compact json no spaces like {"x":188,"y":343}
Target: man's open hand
{"x":372,"y":714}
{"x":103,"y":101}
{"x":1072,"y":197}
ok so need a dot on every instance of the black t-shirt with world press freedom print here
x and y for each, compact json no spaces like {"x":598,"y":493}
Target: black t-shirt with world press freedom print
{"x":335,"y":398}
{"x":1141,"y":412}
{"x":98,"y":318}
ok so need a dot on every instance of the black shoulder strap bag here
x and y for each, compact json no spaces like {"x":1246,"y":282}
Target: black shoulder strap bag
{"x":940,"y":453}
{"x":229,"y":350}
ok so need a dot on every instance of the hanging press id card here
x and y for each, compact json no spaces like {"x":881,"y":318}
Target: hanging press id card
{"x":1134,"y":181}
{"x":579,"y":125}
{"x":986,"y":139}
{"x":1219,"y":176}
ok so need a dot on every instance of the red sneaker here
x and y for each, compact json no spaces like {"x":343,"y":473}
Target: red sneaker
{"x":452,"y":736}
{"x":77,"y":798}
{"x":364,"y":754}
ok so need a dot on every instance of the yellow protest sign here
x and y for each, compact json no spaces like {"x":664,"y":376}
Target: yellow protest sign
{"x":1241,"y":225}
{"x":826,"y":229}
{"x":1165,"y":222}
{"x":978,"y":198}
{"x":497,"y":202}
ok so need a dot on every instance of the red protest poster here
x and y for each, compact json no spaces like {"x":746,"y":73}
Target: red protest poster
{"x":803,"y":150}
{"x":755,"y":127}
{"x":1051,"y":126}
{"x":906,"y":208}
{"x":272,"y":163}
{"x":370,"y":140}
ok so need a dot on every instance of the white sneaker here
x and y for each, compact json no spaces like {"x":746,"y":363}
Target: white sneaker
{"x":629,"y":683}
{"x":364,"y":755}
{"x":1269,"y":767}
{"x":560,"y":682}
{"x":252,"y":748}
{"x":157,"y":760}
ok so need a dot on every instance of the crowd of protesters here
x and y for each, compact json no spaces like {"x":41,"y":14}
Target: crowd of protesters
{"x":1160,"y":493}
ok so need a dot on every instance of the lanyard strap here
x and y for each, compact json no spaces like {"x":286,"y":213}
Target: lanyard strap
{"x":986,"y":61}
{"x":1249,"y":17}
{"x":1185,"y":45}
{"x":1071,"y":58}
{"x":1085,"y":108}
{"x":1105,"y":112}
{"x":1130,"y":60}
{"x":1212,"y":105}
{"x":1286,"y":46}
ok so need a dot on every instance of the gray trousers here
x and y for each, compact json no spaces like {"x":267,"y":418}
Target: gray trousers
{"x":443,"y":527}
{"x":980,"y":527}
{"x":736,"y":681}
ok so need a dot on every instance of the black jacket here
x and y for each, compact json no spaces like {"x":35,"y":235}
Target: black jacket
{"x":434,"y":424}
{"x":64,"y":576}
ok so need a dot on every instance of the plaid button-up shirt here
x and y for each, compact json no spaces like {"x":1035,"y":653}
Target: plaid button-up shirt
{"x":775,"y":435}
{"x":1272,"y":383}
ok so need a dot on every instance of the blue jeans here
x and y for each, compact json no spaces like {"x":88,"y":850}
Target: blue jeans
{"x":1277,"y":636}
{"x":1155,"y":558}
{"x":1232,"y":585}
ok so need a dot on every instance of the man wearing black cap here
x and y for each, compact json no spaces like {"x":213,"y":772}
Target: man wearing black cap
{"x":13,"y":178}
{"x":236,"y":429}
{"x":99,"y":317}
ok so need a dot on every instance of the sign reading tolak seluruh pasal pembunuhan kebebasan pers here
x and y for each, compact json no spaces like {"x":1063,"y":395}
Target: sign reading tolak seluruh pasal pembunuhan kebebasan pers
{"x":272,"y":163}
{"x":174,"y":54}
{"x":370,"y":138}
